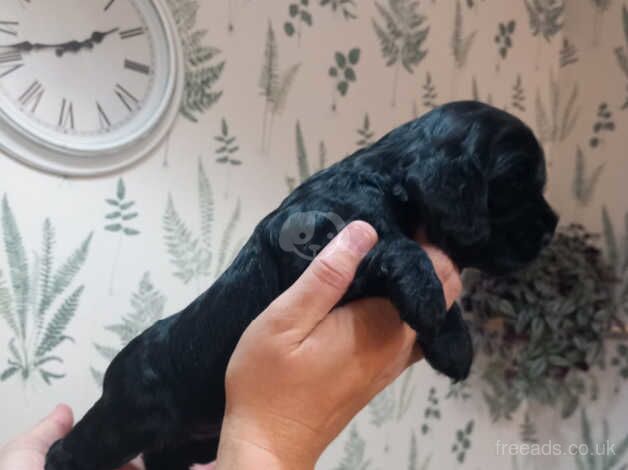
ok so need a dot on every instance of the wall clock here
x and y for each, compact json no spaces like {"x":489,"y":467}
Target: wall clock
{"x":86,"y":87}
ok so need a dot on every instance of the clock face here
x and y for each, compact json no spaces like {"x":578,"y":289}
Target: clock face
{"x":85,"y":78}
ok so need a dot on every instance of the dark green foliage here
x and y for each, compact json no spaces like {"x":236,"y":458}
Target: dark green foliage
{"x":401,"y":36}
{"x":459,"y":391}
{"x":503,"y":38}
{"x":556,"y":120}
{"x":546,"y":18}
{"x":299,"y":13}
{"x":147,"y":306}
{"x":273,"y":86}
{"x":25,"y":305}
{"x":460,"y":43}
{"x":617,"y":256}
{"x":354,"y":457}
{"x":227,"y":146}
{"x":518,"y":95}
{"x":621,"y":52}
{"x":193,"y":256}
{"x":463,"y":442}
{"x":430,"y":95}
{"x":432,"y":411}
{"x":600,"y":456}
{"x":604,"y":123}
{"x":365,"y":133}
{"x":343,"y":70}
{"x":568,"y":53}
{"x":303,"y":163}
{"x":413,"y":456}
{"x":552,"y":319}
{"x":528,"y":431}
{"x":584,"y":184}
{"x":200,"y":74}
{"x":118,"y":220}
{"x":620,"y":361}
{"x":344,"y":7}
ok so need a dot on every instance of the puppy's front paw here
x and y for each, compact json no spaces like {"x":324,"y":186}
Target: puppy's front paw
{"x":60,"y":459}
{"x":451,"y":350}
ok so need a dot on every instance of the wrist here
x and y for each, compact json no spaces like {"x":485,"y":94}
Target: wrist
{"x":243,"y":446}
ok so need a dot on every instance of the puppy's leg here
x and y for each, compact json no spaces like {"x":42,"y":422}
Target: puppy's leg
{"x":451,"y":350}
{"x":183,"y":456}
{"x":400,"y":269}
{"x":107,"y":437}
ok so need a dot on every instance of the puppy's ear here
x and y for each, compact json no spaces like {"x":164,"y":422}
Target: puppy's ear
{"x":453,"y":194}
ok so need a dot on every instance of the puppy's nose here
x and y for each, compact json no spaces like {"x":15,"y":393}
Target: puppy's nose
{"x":546,"y":240}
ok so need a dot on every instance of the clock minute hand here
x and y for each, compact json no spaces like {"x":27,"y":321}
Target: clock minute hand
{"x":74,"y":46}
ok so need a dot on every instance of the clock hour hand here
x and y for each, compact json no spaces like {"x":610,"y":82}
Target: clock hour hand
{"x":71,"y":46}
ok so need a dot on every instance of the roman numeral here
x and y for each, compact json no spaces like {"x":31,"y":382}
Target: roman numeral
{"x":32,"y":95}
{"x":9,"y":27}
{"x":136,"y":67}
{"x":10,"y":56}
{"x":10,"y":70}
{"x":129,"y":33}
{"x":126,"y":97}
{"x":109,"y":4}
{"x":66,"y":115}
{"x":102,"y":117}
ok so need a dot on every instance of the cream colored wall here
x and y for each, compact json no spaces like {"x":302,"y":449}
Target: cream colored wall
{"x":382,"y":435}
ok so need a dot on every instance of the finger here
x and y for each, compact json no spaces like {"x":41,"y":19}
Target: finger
{"x":54,"y":426}
{"x":325,"y":281}
{"x":447,"y":272}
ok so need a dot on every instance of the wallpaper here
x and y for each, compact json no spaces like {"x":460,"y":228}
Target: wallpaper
{"x":275,"y":91}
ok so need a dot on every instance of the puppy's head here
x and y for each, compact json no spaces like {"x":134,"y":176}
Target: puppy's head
{"x":477,"y":174}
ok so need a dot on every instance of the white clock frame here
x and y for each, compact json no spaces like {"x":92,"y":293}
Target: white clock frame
{"x":53,"y":158}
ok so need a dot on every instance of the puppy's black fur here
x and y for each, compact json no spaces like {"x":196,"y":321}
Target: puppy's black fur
{"x":470,"y":175}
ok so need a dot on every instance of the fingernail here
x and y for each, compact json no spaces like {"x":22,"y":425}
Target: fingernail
{"x":358,"y":237}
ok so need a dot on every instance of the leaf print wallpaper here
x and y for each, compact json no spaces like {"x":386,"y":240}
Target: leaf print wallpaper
{"x":274,"y":92}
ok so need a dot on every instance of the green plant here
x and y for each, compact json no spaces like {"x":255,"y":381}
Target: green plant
{"x":460,"y":43}
{"x":147,"y":306}
{"x":583,"y":184}
{"x":552,"y":319}
{"x":226,"y":152}
{"x":599,"y":455}
{"x":365,"y":133}
{"x":26,"y":304}
{"x":193,"y":257}
{"x":622,"y":52}
{"x":432,"y":411}
{"x":604,"y":123}
{"x":552,"y":124}
{"x":299,"y":13}
{"x":354,"y":457}
{"x":119,"y":221}
{"x":518,"y":95}
{"x":413,"y":456}
{"x":344,"y":71}
{"x":401,"y":37}
{"x":200,"y":74}
{"x":430,"y":95}
{"x":303,"y":163}
{"x":273,"y":88}
{"x":546,"y":17}
{"x":503,"y":38}
{"x":462,"y":443}
{"x":342,"y":6}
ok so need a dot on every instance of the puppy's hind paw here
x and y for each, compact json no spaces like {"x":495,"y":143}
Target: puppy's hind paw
{"x":60,"y":459}
{"x":451,"y":350}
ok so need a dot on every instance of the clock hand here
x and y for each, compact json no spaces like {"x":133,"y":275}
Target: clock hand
{"x":71,"y":46}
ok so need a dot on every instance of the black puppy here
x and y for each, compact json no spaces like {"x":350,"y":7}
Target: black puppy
{"x":470,"y":175}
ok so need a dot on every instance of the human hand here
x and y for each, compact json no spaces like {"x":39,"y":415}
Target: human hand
{"x":299,"y":374}
{"x":28,"y":451}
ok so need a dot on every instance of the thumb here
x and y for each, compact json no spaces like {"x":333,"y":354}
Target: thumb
{"x":325,"y":281}
{"x":54,"y":426}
